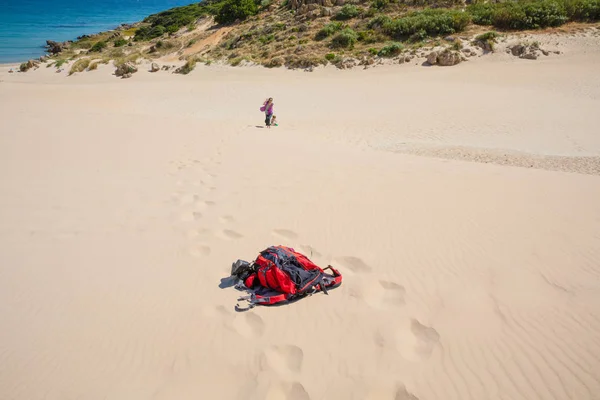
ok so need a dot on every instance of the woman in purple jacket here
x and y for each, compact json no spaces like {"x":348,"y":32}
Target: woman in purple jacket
{"x":268,"y":109}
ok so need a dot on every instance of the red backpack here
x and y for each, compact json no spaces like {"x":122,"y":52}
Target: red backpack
{"x":281,"y":274}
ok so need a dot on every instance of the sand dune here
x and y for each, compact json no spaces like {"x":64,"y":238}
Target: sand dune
{"x":124,"y":203}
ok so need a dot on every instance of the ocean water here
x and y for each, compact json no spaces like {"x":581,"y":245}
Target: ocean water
{"x":25,"y":25}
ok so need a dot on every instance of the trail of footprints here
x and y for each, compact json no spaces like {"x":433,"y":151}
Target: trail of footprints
{"x":414,"y":340}
{"x":193,"y":201}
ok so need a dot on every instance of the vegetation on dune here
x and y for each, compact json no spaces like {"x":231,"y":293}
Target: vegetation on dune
{"x":534,"y":14}
{"x":79,"y":66}
{"x":304,"y":38}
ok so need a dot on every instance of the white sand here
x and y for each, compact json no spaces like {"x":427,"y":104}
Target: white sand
{"x":123,"y":204}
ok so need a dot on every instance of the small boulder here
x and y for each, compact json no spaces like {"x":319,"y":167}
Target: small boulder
{"x":127,"y":75}
{"x":154,"y":67}
{"x":432,"y":58}
{"x":126,"y":69}
{"x":449,"y":58}
{"x":166,"y":67}
{"x":517,"y":50}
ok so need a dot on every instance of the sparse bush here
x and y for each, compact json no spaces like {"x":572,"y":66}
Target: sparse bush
{"x":274,"y":63}
{"x":119,"y":42}
{"x":390,"y":50}
{"x":187,"y":67}
{"x":60,"y":63}
{"x":79,"y":65}
{"x":346,"y":38}
{"x":98,"y":46}
{"x":191,"y":43}
{"x":93,"y":66}
{"x":232,"y":10}
{"x":266,"y":39}
{"x":457,"y":45}
{"x":328,"y":30}
{"x":484,"y":37}
{"x":347,"y":12}
{"x":380,"y":4}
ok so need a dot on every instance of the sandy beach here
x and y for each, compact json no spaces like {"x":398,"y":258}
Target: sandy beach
{"x":461,"y":204}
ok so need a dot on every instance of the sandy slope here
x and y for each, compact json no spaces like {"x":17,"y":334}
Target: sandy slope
{"x":124,"y":203}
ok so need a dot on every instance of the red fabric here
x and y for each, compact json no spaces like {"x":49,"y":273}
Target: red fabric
{"x":272,"y":277}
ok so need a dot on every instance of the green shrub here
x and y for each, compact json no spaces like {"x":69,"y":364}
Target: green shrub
{"x":373,"y":51}
{"x":232,"y":10}
{"x":583,"y":10}
{"x":380,"y":4}
{"x":149,"y":32}
{"x":532,"y":14}
{"x":420,"y":24}
{"x":330,"y":56}
{"x":119,"y":42}
{"x":191,"y":43}
{"x":484,"y":37}
{"x":390,"y":50}
{"x":379,"y":22}
{"x":266,"y":39}
{"x":346,"y":38}
{"x":328,"y":30}
{"x":529,"y":15}
{"x":79,"y":65}
{"x":347,"y":12}
{"x":482,"y":13}
{"x":98,"y":46}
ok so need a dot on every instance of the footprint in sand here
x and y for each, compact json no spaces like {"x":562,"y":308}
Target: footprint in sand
{"x":248,"y":325}
{"x":188,"y":199}
{"x":225,"y":219}
{"x":397,"y":392}
{"x":205,"y":203}
{"x":379,"y":294}
{"x":216,"y":312}
{"x":192,"y":233}
{"x":230,"y":235}
{"x":286,"y":391}
{"x":354,"y":264}
{"x":200,"y":250}
{"x":191,"y":216}
{"x":285,"y":234}
{"x":417,"y":341}
{"x":285,"y":359}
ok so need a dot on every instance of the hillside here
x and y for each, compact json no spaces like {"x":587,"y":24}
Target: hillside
{"x":308,"y":33}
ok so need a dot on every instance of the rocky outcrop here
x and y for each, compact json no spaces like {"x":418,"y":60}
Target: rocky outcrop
{"x":125,"y":70}
{"x":432,"y":58}
{"x":444,"y":58}
{"x":527,"y":51}
{"x":449,"y":58}
{"x":53,"y":47}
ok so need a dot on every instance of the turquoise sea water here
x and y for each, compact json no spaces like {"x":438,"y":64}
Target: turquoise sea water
{"x":25,"y":25}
